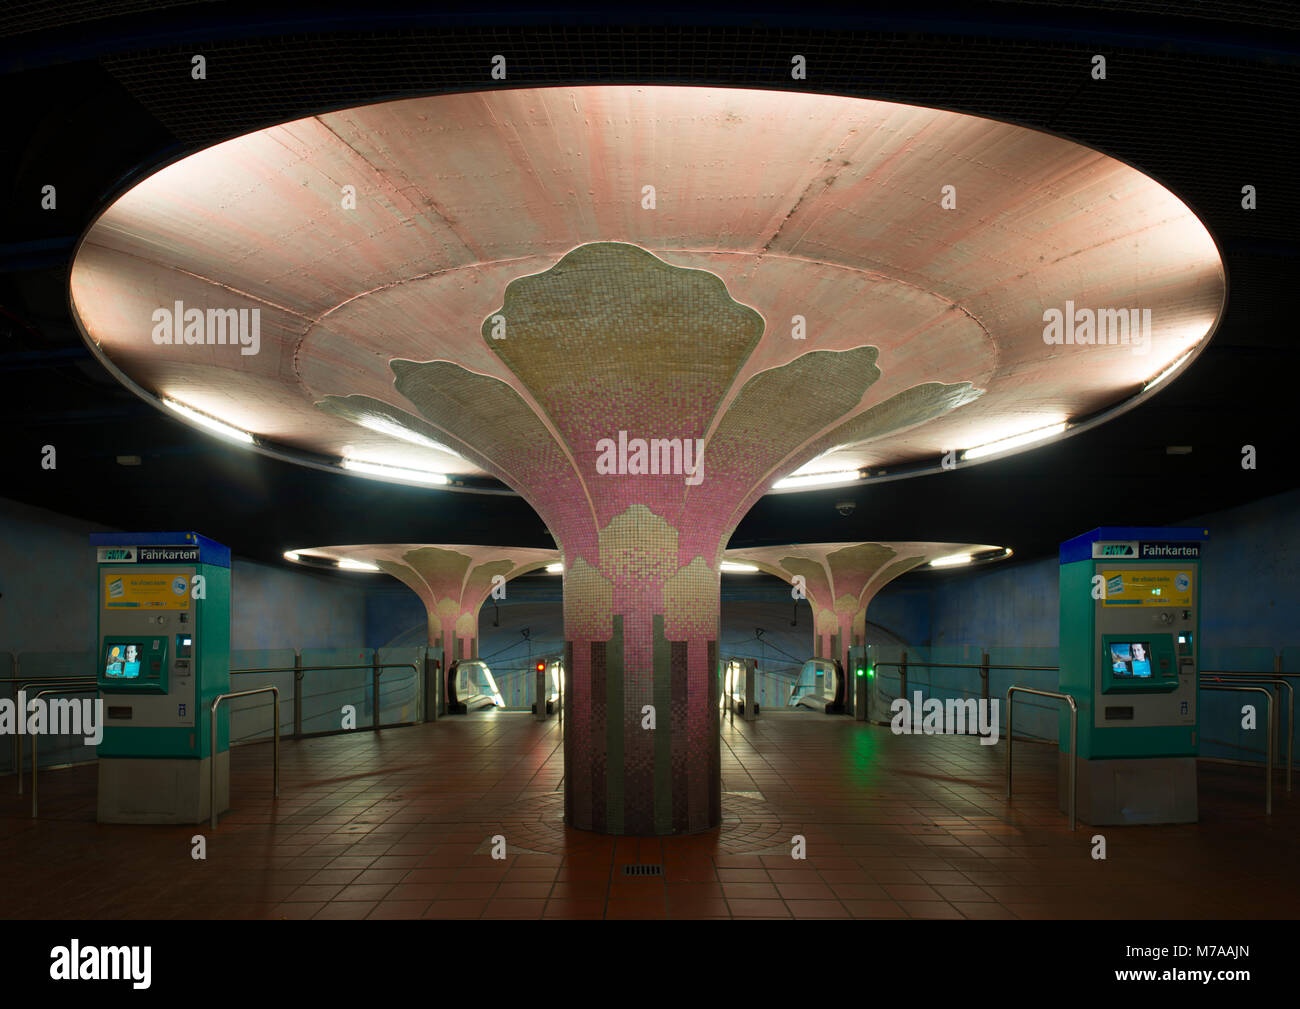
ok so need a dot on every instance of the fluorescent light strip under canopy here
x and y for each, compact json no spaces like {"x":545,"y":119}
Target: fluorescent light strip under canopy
{"x":394,"y":472}
{"x":210,"y":423}
{"x":1015,"y":441}
{"x":814,"y":479}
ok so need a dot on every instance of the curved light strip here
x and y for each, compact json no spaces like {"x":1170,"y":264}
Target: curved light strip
{"x":817,"y":479}
{"x":347,"y":564}
{"x":394,"y":472}
{"x":218,"y":427}
{"x":1015,"y":441}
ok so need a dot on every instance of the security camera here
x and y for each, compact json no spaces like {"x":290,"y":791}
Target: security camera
{"x":845,"y":507}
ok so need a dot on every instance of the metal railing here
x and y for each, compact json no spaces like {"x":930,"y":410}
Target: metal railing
{"x":984,"y":665}
{"x":36,"y":763}
{"x":1074,"y":739}
{"x":23,"y":682}
{"x":1268,"y":762}
{"x":1281,"y":680}
{"x":300,"y":671}
{"x":212,"y":747}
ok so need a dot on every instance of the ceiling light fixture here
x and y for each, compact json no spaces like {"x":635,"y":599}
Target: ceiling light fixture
{"x":1015,"y":441}
{"x":950,"y":561}
{"x":813,"y":479}
{"x":735,"y":567}
{"x":347,"y":564}
{"x":555,"y":569}
{"x":210,"y":423}
{"x":395,"y":472}
{"x":1152,"y":383}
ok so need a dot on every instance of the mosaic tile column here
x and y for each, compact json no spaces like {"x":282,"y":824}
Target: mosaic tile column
{"x":642,"y":754}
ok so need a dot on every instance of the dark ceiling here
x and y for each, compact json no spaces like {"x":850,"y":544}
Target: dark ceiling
{"x":1202,"y":97}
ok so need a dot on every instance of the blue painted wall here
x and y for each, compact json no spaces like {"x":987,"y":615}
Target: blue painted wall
{"x":48,"y":593}
{"x":1006,"y":604}
{"x":1248,"y":573}
{"x":47,"y":581}
{"x":282,"y":607}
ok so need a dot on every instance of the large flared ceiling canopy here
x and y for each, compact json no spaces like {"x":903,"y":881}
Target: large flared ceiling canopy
{"x":839,"y":580}
{"x":452,"y":580}
{"x":344,"y":247}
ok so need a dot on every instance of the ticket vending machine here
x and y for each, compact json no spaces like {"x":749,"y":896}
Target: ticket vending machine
{"x":1130,"y":640}
{"x":163,"y":656}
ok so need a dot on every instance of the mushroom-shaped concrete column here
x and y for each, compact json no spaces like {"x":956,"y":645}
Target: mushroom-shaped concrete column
{"x":641,"y":307}
{"x":839,"y":580}
{"x":453,"y":582}
{"x":631,"y":425}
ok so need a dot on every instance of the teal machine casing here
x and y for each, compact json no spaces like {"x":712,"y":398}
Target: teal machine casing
{"x":1130,"y":639}
{"x":163,"y":657}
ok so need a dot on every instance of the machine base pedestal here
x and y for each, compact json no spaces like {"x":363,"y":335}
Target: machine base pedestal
{"x":146,"y":790}
{"x":1131,"y":790}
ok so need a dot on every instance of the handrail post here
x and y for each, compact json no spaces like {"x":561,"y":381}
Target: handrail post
{"x":1074,"y":758}
{"x":212,"y":743}
{"x":984,"y":674}
{"x":275,"y":749}
{"x":18,"y":746}
{"x":1272,"y":733}
{"x":212,"y":761}
{"x":298,"y":676}
{"x":1074,"y":739}
{"x":374,"y":686}
{"x":1011,"y":735}
{"x":36,"y":735}
{"x":902,"y":677}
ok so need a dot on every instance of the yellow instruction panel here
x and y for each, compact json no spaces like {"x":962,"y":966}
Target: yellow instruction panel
{"x":154,"y":590}
{"x":1148,"y":587}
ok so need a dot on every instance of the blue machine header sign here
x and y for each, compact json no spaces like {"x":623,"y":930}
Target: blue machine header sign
{"x":147,"y":555}
{"x":1143,"y":550}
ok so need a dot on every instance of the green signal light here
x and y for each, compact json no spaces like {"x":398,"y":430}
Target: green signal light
{"x":861,"y":672}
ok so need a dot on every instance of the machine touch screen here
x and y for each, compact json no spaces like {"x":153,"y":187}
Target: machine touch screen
{"x":123,"y":661}
{"x":1130,"y":659}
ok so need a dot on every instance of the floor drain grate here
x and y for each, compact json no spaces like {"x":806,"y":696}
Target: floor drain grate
{"x":643,"y":870}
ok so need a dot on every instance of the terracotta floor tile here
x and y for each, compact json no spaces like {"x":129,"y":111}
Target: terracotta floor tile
{"x":363,"y":832}
{"x":817,"y":909}
{"x":758,"y":908}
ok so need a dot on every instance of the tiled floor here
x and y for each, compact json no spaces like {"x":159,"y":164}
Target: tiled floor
{"x":398,"y":825}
